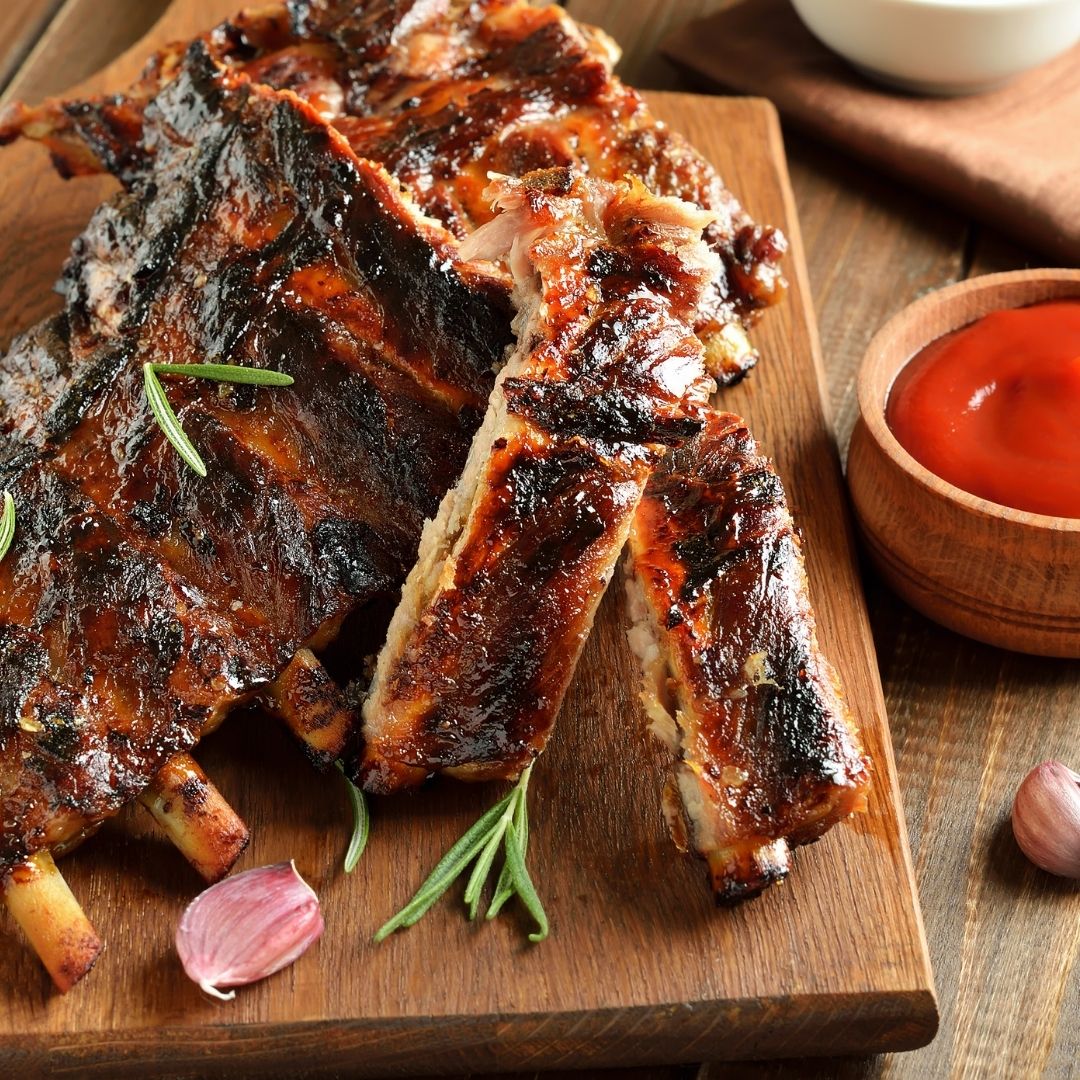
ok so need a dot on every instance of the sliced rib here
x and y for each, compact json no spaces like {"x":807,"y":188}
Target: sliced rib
{"x":765,"y":753}
{"x":606,"y":373}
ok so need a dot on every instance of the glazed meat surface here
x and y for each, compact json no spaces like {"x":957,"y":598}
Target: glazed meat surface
{"x":278,"y":248}
{"x":607,"y":371}
{"x":766,"y":755}
{"x":444,"y":93}
{"x":139,"y":601}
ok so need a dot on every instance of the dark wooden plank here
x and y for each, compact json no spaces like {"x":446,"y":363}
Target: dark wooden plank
{"x":21,"y":25}
{"x":835,"y":958}
{"x":74,"y":39}
{"x":637,"y":28}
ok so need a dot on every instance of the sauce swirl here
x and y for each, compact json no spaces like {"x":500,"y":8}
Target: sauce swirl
{"x":994,"y":408}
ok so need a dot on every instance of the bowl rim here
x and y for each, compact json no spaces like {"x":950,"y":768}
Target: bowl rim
{"x":872,"y":411}
{"x":974,"y":7}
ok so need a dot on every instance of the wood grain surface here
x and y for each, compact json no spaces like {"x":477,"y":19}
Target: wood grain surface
{"x":640,"y":967}
{"x":21,"y":25}
{"x":968,"y":720}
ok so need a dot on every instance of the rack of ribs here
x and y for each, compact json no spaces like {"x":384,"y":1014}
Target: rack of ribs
{"x":442,"y":94}
{"x":765,"y":753}
{"x":606,"y":373}
{"x":139,"y":603}
{"x":317,"y":494}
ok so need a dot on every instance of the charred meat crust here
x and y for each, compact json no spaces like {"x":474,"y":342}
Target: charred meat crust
{"x":766,"y":754}
{"x":106,"y":668}
{"x":494,"y":615}
{"x":478,"y":684}
{"x":138,"y":603}
{"x":443,"y":95}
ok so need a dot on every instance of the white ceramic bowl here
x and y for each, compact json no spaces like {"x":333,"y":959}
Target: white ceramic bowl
{"x":944,"y":46}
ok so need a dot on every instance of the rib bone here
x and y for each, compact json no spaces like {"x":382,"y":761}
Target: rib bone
{"x":306,"y":697}
{"x":198,"y":820}
{"x":41,"y":902}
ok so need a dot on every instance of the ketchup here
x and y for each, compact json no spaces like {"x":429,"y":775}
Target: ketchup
{"x":994,"y":408}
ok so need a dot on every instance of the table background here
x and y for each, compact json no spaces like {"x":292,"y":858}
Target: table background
{"x":967,"y":720}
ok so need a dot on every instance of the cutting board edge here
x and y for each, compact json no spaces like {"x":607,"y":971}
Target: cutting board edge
{"x":797,"y":260}
{"x":677,"y":1033}
{"x":909,"y":1020}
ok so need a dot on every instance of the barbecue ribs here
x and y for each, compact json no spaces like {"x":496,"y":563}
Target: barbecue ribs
{"x":607,"y":371}
{"x":139,"y":602}
{"x":442,"y":94}
{"x":253,"y":233}
{"x":765,"y":752}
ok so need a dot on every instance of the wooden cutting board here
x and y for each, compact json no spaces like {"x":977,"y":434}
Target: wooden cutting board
{"x":640,"y":966}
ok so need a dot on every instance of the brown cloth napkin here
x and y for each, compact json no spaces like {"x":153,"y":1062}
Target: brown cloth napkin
{"x":1010,"y":156}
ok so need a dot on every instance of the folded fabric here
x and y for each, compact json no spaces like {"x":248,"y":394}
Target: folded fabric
{"x":1010,"y":156}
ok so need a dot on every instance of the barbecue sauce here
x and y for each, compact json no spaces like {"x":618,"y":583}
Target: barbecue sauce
{"x":994,"y":408}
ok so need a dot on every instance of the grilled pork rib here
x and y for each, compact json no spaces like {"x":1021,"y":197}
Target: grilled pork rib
{"x":606,"y":372}
{"x":138,"y":602}
{"x":766,"y":755}
{"x":442,"y":94}
{"x":250,"y":234}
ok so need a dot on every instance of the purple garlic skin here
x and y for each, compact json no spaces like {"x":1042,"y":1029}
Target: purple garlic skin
{"x":247,"y":927}
{"x":1046,"y":818}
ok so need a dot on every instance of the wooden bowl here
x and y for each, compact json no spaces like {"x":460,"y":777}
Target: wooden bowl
{"x":1004,"y":576}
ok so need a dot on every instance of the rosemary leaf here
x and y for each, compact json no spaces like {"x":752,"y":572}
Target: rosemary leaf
{"x":361,"y":824}
{"x":7,"y":524}
{"x":504,"y":887}
{"x":446,"y":871}
{"x":163,"y":412}
{"x":504,"y":890}
{"x":230,"y":373}
{"x":483,"y":864}
{"x":167,"y":421}
{"x":507,"y":825}
{"x":523,"y":886}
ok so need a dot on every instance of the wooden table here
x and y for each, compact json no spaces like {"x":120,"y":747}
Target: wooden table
{"x":967,"y":720}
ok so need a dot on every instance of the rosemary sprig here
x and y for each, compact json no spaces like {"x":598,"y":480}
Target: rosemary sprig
{"x":446,"y":872}
{"x":361,"y":823}
{"x":506,"y":824}
{"x":7,"y":524}
{"x":163,"y":411}
{"x":504,"y":887}
{"x":229,"y":373}
{"x":167,"y":421}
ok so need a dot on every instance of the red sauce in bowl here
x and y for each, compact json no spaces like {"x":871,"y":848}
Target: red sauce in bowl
{"x":994,"y":408}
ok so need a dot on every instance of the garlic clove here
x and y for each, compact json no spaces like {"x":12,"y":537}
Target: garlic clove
{"x":247,"y":927}
{"x":1046,"y":818}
